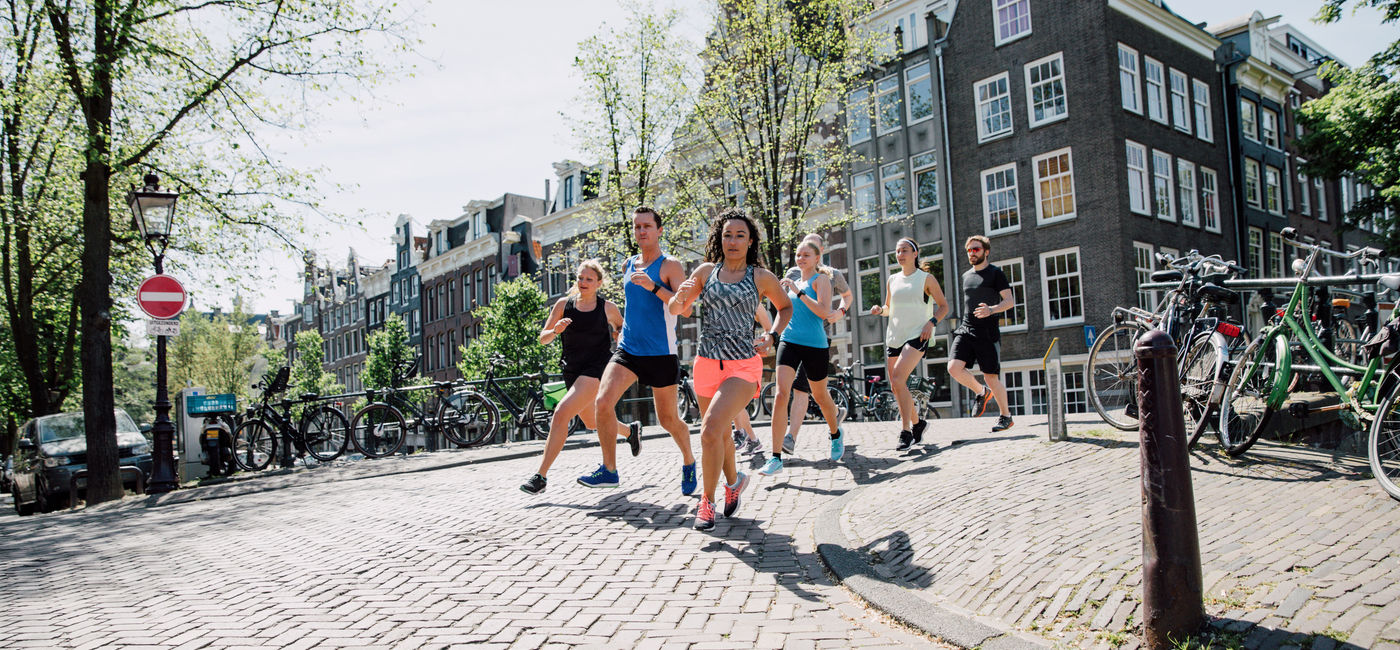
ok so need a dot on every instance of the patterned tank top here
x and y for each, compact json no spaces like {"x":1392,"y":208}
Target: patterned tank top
{"x":726,"y":324}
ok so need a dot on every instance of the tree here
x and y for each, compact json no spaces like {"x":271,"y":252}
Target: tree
{"x":308,"y":376}
{"x":390,"y":354}
{"x":510,"y":327}
{"x":216,"y":352}
{"x":151,"y":78}
{"x":1355,"y":129}
{"x":134,"y":380}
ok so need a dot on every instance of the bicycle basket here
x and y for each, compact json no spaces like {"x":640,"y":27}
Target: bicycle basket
{"x":1385,"y":343}
{"x":554,"y":393}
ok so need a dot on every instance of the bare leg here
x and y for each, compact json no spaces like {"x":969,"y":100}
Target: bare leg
{"x":957,"y":369}
{"x":742,"y":421}
{"x":579,"y":399}
{"x":800,"y":398}
{"x":616,"y":380}
{"x":786,"y":374}
{"x":718,"y":456}
{"x":664,"y":399}
{"x":998,"y":391}
{"x":909,"y":358}
{"x":825,"y":403}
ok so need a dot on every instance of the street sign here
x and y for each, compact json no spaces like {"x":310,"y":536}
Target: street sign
{"x":201,"y":404}
{"x":157,"y":327}
{"x":161,"y":296}
{"x":1091,"y":334}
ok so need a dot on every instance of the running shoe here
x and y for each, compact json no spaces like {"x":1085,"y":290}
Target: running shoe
{"x":981,"y":406}
{"x":705,"y":515}
{"x":534,"y":486}
{"x":918,"y":431}
{"x":1003,"y":423}
{"x":600,"y":478}
{"x":788,"y":443}
{"x":739,"y":437}
{"x":838,"y":444}
{"x":753,"y":446}
{"x":688,"y":481}
{"x":774,"y":466}
{"x":906,"y":440}
{"x":731,"y":495}
{"x":634,"y":437}
{"x":841,"y":414}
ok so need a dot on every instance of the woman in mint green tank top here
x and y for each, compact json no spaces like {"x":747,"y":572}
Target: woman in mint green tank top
{"x":907,"y":296}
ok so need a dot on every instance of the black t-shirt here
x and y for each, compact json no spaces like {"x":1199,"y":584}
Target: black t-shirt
{"x":979,"y":287}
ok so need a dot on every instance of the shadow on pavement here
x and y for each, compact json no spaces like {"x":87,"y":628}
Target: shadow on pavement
{"x":767,"y":552}
{"x":1231,"y":633}
{"x":895,"y":551}
{"x":618,"y":507}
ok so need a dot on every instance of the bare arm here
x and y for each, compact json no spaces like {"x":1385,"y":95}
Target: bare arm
{"x":765,"y":320}
{"x":688,"y":290}
{"x":935,"y":291}
{"x":768,"y":287}
{"x":821,"y":305}
{"x":614,"y":320}
{"x":1008,"y":300}
{"x":551,"y":325}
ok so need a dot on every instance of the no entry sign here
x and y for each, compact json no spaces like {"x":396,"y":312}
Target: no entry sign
{"x":161,"y":296}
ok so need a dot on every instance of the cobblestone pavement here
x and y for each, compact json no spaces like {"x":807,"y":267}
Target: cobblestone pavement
{"x":1299,"y":546}
{"x":434,"y":559}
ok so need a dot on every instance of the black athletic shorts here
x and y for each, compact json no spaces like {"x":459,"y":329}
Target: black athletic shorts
{"x":813,"y":363}
{"x":571,"y":377}
{"x":979,"y":351}
{"x":657,"y":371}
{"x":799,"y":382}
{"x":917,"y":343}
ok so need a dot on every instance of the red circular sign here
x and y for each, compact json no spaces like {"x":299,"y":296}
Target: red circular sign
{"x":161,"y":296}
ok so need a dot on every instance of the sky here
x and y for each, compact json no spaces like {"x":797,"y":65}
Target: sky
{"x":481,"y":117}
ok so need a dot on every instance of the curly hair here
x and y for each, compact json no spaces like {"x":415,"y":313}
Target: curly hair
{"x":714,"y":247}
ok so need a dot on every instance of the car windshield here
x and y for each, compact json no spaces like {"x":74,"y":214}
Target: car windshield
{"x":70,"y":425}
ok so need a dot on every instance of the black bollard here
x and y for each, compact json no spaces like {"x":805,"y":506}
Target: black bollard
{"x":1171,"y":555}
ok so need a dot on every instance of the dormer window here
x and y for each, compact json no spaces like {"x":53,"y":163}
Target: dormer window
{"x":479,"y":224}
{"x":570,"y":183}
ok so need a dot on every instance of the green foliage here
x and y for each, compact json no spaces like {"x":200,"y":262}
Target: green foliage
{"x":308,"y":376}
{"x":388,"y":357}
{"x":216,"y":352}
{"x":510,"y":327}
{"x":134,"y":380}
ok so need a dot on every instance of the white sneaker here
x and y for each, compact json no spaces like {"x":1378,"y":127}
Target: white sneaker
{"x":840,"y":416}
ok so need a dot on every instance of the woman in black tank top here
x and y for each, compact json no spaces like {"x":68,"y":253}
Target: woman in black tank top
{"x":586,"y":324}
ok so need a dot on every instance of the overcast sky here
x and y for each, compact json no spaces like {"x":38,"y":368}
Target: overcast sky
{"x":481,"y":118}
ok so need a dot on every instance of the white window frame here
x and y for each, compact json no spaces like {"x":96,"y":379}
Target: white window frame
{"x":912,"y":77}
{"x":1200,"y":101}
{"x":1058,"y":61}
{"x":1321,"y":198}
{"x":1144,"y":264}
{"x":1273,"y":190}
{"x":1167,"y":191}
{"x":1046,"y":278}
{"x":986,"y":203}
{"x":877,"y":270}
{"x":859,"y":100}
{"x":920,"y":164}
{"x":1249,"y":119}
{"x":1277,"y":269}
{"x":983,"y":135}
{"x":1128,"y":80}
{"x":1253,"y":196}
{"x":1180,"y":100}
{"x":1304,"y":190}
{"x":1156,"y":89}
{"x":885,"y":89}
{"x":1210,"y":200}
{"x":1254,"y":252}
{"x":1018,"y":298}
{"x":1040,"y":183}
{"x":1269,"y":135}
{"x":997,"y":23}
{"x":867,"y":216}
{"x":891,"y":173}
{"x":1139,"y":172}
{"x":1187,"y":206}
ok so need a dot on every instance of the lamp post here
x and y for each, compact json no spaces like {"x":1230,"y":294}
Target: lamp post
{"x":154,"y":213}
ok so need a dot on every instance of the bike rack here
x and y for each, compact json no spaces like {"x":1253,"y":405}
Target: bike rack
{"x":123,"y":471}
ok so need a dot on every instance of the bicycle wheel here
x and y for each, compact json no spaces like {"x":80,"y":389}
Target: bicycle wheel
{"x":324,"y":429}
{"x":538,"y":416}
{"x":766,"y":397}
{"x":467,"y":418}
{"x":1244,"y":408}
{"x":1383,"y":445}
{"x":1346,"y":342}
{"x":1113,"y":375}
{"x":1198,"y":377}
{"x":254,"y":445}
{"x":378,"y":430}
{"x":885,"y":406}
{"x":838,"y":397}
{"x":685,"y":404}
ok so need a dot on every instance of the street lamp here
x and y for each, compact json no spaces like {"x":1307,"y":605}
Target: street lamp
{"x":154,"y":213}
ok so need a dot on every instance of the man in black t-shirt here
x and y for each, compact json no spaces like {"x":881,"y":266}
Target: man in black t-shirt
{"x":986,"y":293}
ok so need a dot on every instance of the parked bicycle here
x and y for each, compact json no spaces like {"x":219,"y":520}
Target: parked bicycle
{"x":382,"y":427}
{"x":321,"y":432}
{"x":533,"y":417}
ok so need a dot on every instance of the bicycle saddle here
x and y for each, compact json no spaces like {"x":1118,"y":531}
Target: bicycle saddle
{"x":1391,"y":281}
{"x":1169,"y":275}
{"x":306,"y":397}
{"x":1215,"y":293}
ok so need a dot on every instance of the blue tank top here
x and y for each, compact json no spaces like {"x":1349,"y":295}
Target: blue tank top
{"x":805,"y":328}
{"x":648,"y":329}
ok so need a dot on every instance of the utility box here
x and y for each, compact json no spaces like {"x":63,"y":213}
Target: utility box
{"x":188,"y":427}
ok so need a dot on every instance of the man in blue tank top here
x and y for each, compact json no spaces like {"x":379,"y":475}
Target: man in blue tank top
{"x":646,"y":352}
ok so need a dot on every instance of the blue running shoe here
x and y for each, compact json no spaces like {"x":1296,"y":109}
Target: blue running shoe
{"x":688,"y":482}
{"x":838,"y":444}
{"x":774,"y":466}
{"x":600,"y":478}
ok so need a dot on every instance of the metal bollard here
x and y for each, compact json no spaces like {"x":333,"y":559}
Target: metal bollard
{"x":1171,"y":555}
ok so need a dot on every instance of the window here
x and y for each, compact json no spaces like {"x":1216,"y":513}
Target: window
{"x":1304,"y":191}
{"x":1268,"y":125}
{"x":858,"y":116}
{"x":1256,"y":252}
{"x":1321,"y":199}
{"x":1142,"y":271}
{"x":868,"y":276}
{"x":1155,"y":75}
{"x":1000,"y":204}
{"x":1059,"y":278}
{"x":1162,"y":185}
{"x":568,"y":192}
{"x":888,"y":112}
{"x":480,"y":287}
{"x":1186,"y":193}
{"x":863,"y":198}
{"x":1045,"y":90}
{"x":1273,"y":196}
{"x":1249,"y":120}
{"x":1210,"y":200}
{"x":451,"y":347}
{"x":993,"y":107}
{"x":1275,"y":255}
{"x":1013,"y":19}
{"x":1076,"y":397}
{"x":873,"y":359}
{"x":1251,"y":183}
{"x":925,"y":168}
{"x":479,"y":223}
{"x":441,"y":352}
{"x":1137,"y":178}
{"x":1014,"y":319}
{"x":1200,"y":95}
{"x":1128,"y":78}
{"x":896,"y":189}
{"x":1015,"y":392}
{"x":918,"y":87}
{"x":1054,"y":186}
{"x":1181,"y":104}
{"x":1040,"y":402}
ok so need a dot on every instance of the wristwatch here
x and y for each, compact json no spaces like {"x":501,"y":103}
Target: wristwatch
{"x":655,"y":288}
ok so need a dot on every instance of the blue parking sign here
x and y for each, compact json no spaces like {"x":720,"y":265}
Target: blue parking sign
{"x":1091,"y":334}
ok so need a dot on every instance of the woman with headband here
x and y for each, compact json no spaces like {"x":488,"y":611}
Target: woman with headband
{"x":907,"y":294}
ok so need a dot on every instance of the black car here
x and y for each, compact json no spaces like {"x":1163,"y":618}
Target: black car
{"x":53,"y":447}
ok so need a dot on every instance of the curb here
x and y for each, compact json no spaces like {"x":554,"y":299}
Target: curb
{"x":854,"y":572}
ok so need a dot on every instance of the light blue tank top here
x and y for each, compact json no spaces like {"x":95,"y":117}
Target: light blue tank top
{"x":805,"y":328}
{"x":648,"y":329}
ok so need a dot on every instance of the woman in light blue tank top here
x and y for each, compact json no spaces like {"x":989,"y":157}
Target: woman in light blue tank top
{"x":805,"y":345}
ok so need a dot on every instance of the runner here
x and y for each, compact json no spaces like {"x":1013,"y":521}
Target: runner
{"x":804,"y":345}
{"x":907,"y":292}
{"x":646,"y":352}
{"x":586,"y":325}
{"x":977,"y":339}
{"x":801,"y":392}
{"x":728,"y":367}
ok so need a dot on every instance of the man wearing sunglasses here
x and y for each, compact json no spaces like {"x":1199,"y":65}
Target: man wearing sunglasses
{"x":986,"y":293}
